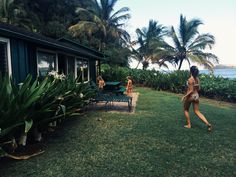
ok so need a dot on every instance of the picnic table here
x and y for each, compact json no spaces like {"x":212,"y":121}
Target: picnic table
{"x":113,"y":92}
{"x":114,"y":87}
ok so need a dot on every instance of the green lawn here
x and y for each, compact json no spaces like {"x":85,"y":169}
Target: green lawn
{"x":151,"y":142}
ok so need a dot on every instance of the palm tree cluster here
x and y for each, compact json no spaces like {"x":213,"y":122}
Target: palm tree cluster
{"x":95,"y":23}
{"x":187,"y":44}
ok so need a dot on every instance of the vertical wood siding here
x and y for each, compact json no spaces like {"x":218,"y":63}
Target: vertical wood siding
{"x":22,"y":63}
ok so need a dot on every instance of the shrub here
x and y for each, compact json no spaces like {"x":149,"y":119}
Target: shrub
{"x":211,"y":87}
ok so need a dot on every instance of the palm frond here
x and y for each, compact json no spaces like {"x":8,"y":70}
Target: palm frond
{"x":191,"y":30}
{"x":205,"y":59}
{"x":83,"y":27}
{"x":207,"y":56}
{"x":120,"y":11}
{"x":139,"y":32}
{"x":84,"y":14}
{"x":188,"y":29}
{"x":175,"y":39}
{"x":202,"y":41}
{"x":115,"y":20}
{"x":124,"y":34}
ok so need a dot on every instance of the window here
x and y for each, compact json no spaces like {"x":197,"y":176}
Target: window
{"x":46,"y":62}
{"x":82,"y":70}
{"x":71,"y":66}
{"x":5,"y":57}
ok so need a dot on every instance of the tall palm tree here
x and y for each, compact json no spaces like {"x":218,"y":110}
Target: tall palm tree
{"x":99,"y":20}
{"x":189,"y":46}
{"x":146,"y":36}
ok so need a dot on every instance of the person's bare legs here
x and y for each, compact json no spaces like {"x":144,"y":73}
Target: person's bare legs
{"x":188,"y":125}
{"x":186,"y":114}
{"x":200,"y":115}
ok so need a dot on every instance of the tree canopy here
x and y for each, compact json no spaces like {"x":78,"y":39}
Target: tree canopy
{"x":96,"y":24}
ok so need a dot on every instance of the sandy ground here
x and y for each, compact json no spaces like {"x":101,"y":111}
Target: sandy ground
{"x":116,"y":106}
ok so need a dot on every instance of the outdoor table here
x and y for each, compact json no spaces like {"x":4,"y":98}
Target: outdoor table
{"x":112,"y":86}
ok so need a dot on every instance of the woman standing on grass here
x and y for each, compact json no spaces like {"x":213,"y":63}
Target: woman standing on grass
{"x":192,"y":96}
{"x":101,"y":82}
{"x":129,"y":86}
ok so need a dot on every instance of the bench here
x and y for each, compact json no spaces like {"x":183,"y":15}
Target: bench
{"x":123,"y":98}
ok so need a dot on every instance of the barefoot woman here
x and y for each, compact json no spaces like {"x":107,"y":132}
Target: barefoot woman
{"x":193,"y":97}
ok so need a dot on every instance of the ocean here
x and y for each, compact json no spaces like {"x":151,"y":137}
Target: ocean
{"x":226,"y":73}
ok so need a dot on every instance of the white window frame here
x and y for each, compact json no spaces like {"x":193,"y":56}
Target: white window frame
{"x":82,"y":59}
{"x":67,"y":58}
{"x":6,"y":40}
{"x":47,"y":51}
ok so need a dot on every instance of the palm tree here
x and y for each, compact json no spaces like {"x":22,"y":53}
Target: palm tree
{"x":135,"y":54}
{"x":14,"y":12}
{"x":100,"y":21}
{"x":154,"y":33}
{"x":189,"y":46}
{"x":5,"y":9}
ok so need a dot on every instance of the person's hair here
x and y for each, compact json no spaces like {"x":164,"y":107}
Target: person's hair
{"x":129,"y":77}
{"x":194,"y":71}
{"x":99,"y":78}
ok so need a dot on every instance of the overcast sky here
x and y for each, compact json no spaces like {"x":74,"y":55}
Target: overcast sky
{"x":218,"y":16}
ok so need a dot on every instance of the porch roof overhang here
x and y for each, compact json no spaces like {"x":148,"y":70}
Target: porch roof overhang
{"x":73,"y":43}
{"x":76,"y":49}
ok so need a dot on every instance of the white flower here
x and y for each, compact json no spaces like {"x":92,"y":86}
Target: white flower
{"x":55,"y":75}
{"x":202,"y":76}
{"x":20,"y":85}
{"x":59,"y":97}
{"x":52,"y":73}
{"x":62,"y":77}
{"x":155,"y":74}
{"x":81,"y":95}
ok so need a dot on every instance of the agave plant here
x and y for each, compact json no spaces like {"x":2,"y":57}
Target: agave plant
{"x":17,"y":102}
{"x":38,"y":103}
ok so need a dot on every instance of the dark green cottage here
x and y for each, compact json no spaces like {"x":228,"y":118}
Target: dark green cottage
{"x":23,"y":53}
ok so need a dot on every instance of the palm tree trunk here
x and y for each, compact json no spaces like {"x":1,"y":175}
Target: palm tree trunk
{"x":100,"y":46}
{"x":180,"y":65}
{"x":138,"y":64}
{"x":189,"y":63}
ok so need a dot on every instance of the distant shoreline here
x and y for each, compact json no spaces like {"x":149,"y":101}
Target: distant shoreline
{"x":226,"y":73}
{"x":224,"y":67}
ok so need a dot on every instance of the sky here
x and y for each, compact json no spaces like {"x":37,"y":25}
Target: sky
{"x":218,"y":16}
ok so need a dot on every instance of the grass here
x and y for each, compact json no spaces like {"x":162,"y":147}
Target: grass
{"x":151,"y":142}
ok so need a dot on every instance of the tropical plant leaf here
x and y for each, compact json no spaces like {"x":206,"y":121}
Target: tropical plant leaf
{"x":28,"y":125}
{"x":2,"y":153}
